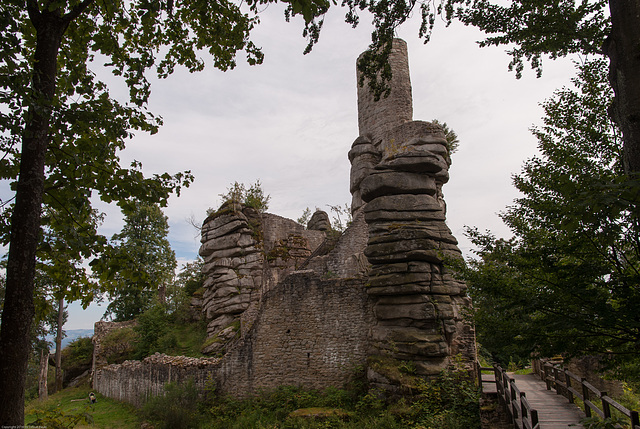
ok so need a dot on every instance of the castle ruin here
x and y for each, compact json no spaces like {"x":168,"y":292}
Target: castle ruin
{"x":289,"y":305}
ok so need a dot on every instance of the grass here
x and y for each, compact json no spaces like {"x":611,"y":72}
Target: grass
{"x":106,"y":413}
{"x":630,"y":399}
{"x":184,"y":339}
{"x":450,"y":402}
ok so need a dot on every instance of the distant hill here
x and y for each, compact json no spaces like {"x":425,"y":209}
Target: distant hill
{"x":72,"y":334}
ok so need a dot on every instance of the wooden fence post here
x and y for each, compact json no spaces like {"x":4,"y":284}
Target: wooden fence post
{"x":523,"y":410}
{"x":585,"y":394}
{"x":546,"y":376}
{"x":605,"y":405}
{"x":534,"y":418}
{"x":556,"y":378}
{"x":567,"y":380}
{"x":635,"y":419}
{"x":512,"y":399}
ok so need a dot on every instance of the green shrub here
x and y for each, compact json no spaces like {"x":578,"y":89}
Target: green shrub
{"x":77,"y":356}
{"x":253,"y":196}
{"x":177,"y":409}
{"x":451,"y":401}
{"x":152,"y":325}
{"x":119,"y":345}
{"x":59,"y":419}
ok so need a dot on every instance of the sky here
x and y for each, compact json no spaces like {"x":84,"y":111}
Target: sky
{"x":291,"y":121}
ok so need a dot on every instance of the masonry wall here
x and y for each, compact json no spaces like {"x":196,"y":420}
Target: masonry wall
{"x":136,"y":381}
{"x":310,"y":332}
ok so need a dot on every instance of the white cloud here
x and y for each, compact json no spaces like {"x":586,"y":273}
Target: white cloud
{"x":291,"y":121}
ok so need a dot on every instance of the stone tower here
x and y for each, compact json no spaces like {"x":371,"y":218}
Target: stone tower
{"x":398,"y":167}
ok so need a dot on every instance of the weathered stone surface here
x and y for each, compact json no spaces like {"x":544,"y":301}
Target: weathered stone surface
{"x":233,"y":224}
{"x":403,"y":216}
{"x":406,"y":335}
{"x":230,"y":241}
{"x":416,"y":303}
{"x":400,"y":279}
{"x":399,"y":299}
{"x":405,"y":289}
{"x":420,"y":311}
{"x":217,"y":324}
{"x":389,"y":182}
{"x":403,"y":202}
{"x":416,"y":162}
{"x":404,"y":251}
{"x":319,"y":221}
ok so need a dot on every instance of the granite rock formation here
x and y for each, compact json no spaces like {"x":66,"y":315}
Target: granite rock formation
{"x":289,"y":305}
{"x":398,"y":169}
{"x":245,"y":253}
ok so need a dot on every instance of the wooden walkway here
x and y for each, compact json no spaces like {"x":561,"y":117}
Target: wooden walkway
{"x":554,"y":411}
{"x":531,"y":403}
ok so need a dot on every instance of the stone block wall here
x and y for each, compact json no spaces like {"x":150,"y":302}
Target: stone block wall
{"x":309,"y":332}
{"x":313,"y":304}
{"x":344,"y":257}
{"x":100,"y":330}
{"x":136,"y":381}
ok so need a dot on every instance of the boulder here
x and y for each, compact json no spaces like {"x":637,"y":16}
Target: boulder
{"x":389,"y":182}
{"x":319,"y":221}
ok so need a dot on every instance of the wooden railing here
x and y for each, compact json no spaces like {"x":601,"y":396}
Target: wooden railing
{"x":569,"y":385}
{"x":513,"y":401}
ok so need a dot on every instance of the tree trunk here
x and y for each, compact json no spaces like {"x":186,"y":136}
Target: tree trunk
{"x":18,"y":312}
{"x":59,"y":345}
{"x":623,"y":49}
{"x":43,"y":392}
{"x":162,"y":294}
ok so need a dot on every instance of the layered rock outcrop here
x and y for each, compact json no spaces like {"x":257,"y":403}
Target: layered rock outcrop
{"x":398,"y":169}
{"x":245,"y":253}
{"x":289,"y":305}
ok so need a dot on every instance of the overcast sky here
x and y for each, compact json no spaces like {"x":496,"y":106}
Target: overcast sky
{"x":291,"y":121}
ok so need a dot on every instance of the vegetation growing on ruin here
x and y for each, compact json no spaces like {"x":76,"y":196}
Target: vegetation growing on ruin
{"x":449,"y":402}
{"x":250,"y":196}
{"x":157,"y":331}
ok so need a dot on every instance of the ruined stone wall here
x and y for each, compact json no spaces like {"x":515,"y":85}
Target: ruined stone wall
{"x":344,"y":257}
{"x":100,"y":330}
{"x":311,"y":304}
{"x":309,"y":332}
{"x":245,"y":254}
{"x":590,"y":367}
{"x":375,"y":117}
{"x":136,"y":381}
{"x":287,"y":244}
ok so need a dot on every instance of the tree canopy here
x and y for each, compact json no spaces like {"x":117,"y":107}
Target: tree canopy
{"x":61,"y":130}
{"x":139,"y":264}
{"x":567,"y":283}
